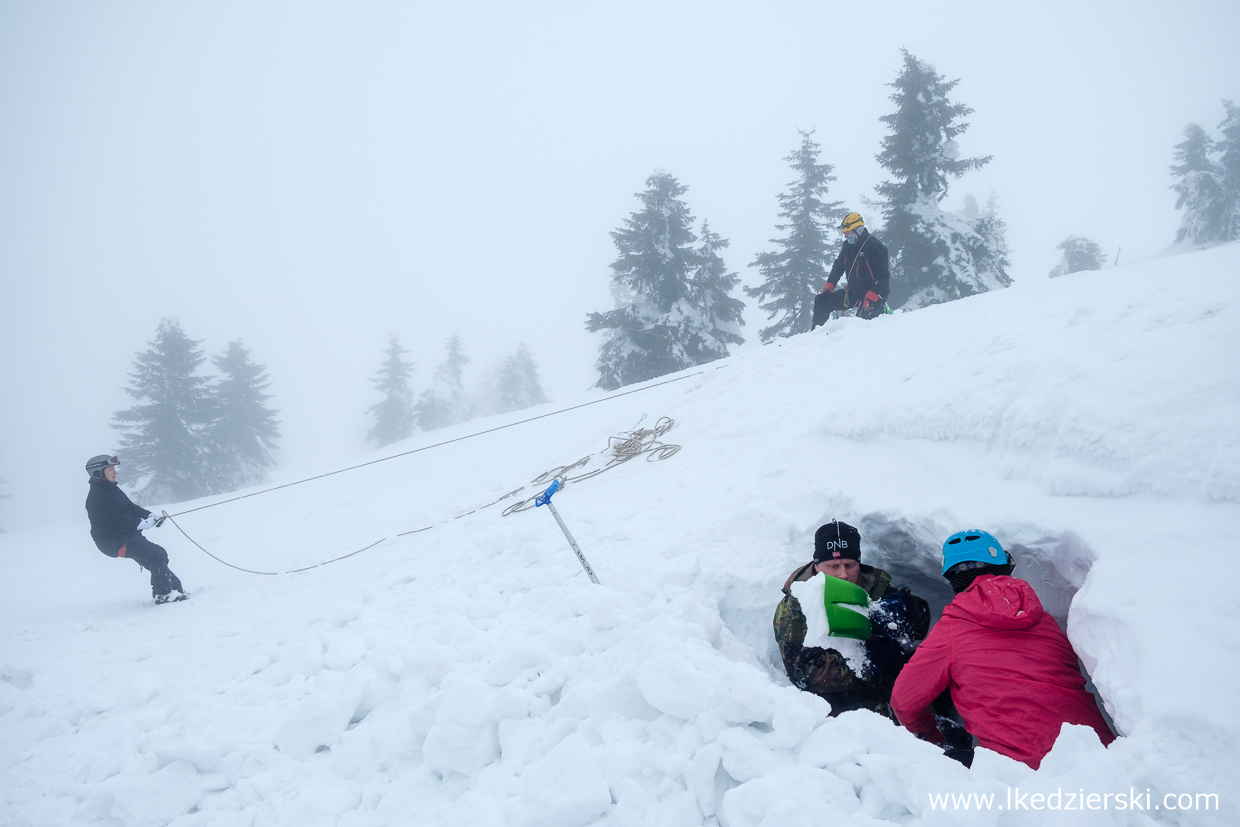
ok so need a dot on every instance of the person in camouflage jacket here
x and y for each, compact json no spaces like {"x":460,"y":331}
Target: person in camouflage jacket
{"x":825,"y":672}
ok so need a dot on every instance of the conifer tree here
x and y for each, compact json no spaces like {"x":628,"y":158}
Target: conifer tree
{"x":990,"y":250}
{"x":445,"y":402}
{"x":394,"y":416}
{"x":933,"y":252}
{"x":793,"y":273}
{"x":4,"y":484}
{"x":519,"y":386}
{"x":1201,"y":189}
{"x":719,"y":316}
{"x":164,"y":435}
{"x":1079,"y":254}
{"x":670,"y":313}
{"x":243,"y":429}
{"x":1229,"y":163}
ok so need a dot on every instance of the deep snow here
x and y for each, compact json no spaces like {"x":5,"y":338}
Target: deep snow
{"x":470,"y":674}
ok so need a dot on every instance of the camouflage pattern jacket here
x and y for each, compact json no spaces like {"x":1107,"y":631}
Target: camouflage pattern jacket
{"x":824,"y":671}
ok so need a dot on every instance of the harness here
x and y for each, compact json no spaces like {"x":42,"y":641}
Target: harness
{"x":853,"y":269}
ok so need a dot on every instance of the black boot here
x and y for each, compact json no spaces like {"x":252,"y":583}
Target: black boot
{"x":166,"y":586}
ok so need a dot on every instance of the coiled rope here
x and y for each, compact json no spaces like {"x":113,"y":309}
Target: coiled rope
{"x":628,"y":445}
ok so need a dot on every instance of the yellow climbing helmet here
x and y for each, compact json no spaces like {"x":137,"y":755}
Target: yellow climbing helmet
{"x":851,"y":222}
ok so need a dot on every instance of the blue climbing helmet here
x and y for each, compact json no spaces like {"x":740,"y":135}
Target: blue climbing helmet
{"x":973,"y":546}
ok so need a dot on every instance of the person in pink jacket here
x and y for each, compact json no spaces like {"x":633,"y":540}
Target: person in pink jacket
{"x":1012,"y":672}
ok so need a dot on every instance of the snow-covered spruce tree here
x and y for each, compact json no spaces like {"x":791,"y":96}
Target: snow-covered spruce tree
{"x":4,"y":484}
{"x":1229,"y":162}
{"x":798,"y":268}
{"x":990,"y":247}
{"x":164,"y":435}
{"x":243,"y":429}
{"x":720,"y":316}
{"x":394,"y":417}
{"x":1078,"y":254}
{"x":1201,"y":190}
{"x":664,"y":319}
{"x":445,"y":402}
{"x":933,"y":252}
{"x":519,"y":386}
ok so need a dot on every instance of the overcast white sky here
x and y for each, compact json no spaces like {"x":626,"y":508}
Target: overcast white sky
{"x":310,"y":176}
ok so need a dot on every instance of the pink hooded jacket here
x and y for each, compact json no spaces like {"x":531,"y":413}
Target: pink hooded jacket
{"x":1013,"y":674}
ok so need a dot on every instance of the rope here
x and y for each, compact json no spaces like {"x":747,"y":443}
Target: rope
{"x":436,"y":445}
{"x":623,"y":448}
{"x":168,"y":517}
{"x":629,"y":445}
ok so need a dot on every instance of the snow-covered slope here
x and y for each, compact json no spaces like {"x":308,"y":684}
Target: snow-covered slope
{"x":470,"y":674}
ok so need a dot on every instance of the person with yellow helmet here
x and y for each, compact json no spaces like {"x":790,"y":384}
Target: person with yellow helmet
{"x":863,"y":259}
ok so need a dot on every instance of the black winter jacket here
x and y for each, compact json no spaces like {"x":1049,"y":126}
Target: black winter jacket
{"x":865,"y":264}
{"x":113,"y":516}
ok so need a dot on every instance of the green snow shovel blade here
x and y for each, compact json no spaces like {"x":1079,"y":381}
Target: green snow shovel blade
{"x":845,"y":622}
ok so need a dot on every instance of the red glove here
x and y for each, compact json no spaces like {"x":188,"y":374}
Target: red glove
{"x":871,"y":296}
{"x":827,"y":288}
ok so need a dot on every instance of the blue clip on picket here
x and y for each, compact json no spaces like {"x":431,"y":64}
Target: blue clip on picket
{"x":545,"y":497}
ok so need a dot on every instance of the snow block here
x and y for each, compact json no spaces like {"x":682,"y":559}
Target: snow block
{"x":697,"y":677}
{"x":797,"y":795}
{"x":564,"y":788}
{"x":152,"y":800}
{"x":318,"y":721}
{"x":465,"y":735}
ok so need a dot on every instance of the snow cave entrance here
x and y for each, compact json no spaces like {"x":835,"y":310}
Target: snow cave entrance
{"x":1055,"y":563}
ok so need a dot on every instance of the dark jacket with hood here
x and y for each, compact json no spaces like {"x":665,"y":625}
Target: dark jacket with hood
{"x":113,"y":516}
{"x":1012,"y":672}
{"x":866,"y":265}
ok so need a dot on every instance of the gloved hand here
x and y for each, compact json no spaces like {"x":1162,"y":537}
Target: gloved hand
{"x":827,"y":288}
{"x":149,"y":521}
{"x":901,"y":616}
{"x":871,"y":298}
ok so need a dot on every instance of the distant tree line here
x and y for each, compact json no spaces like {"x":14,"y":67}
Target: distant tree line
{"x":1206,"y":181}
{"x":673,"y":292}
{"x":190,"y":434}
{"x":512,"y":385}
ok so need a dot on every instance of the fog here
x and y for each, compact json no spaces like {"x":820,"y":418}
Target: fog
{"x":309,"y":177}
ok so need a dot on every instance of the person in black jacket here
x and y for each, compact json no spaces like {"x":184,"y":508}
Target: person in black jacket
{"x":863,"y":258}
{"x":116,"y":526}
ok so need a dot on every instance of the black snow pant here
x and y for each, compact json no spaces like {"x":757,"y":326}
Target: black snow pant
{"x":154,"y":559}
{"x":825,"y":304}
